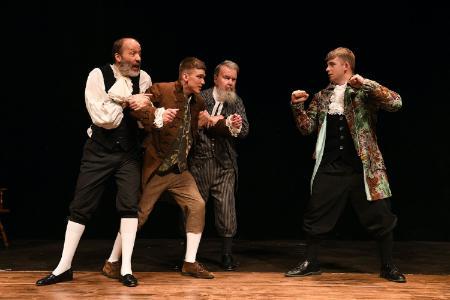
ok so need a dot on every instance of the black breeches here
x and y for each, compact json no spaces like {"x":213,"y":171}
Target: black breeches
{"x":334,"y":185}
{"x":98,"y":165}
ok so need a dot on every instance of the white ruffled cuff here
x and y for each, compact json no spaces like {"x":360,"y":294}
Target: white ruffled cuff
{"x":233,"y":131}
{"x":159,"y":117}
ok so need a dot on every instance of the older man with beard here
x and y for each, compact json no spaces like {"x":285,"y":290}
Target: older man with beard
{"x":213,"y":161}
{"x":113,"y":93}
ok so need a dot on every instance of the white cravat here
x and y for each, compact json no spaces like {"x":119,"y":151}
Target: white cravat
{"x":217,"y":109}
{"x":337,"y":100}
{"x":122,"y":88}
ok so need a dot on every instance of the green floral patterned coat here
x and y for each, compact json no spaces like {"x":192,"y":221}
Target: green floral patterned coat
{"x":360,"y":109}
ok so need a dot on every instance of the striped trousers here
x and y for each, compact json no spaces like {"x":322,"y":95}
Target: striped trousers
{"x":218,"y":183}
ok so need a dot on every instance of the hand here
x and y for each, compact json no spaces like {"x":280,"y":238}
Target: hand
{"x":236,"y":121}
{"x":213,"y":120}
{"x":299,"y":96}
{"x":139,"y":101}
{"x":356,"y":81}
{"x":169,"y":114}
{"x":203,"y":118}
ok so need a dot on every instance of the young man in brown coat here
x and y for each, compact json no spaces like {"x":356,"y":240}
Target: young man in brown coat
{"x":172,"y":123}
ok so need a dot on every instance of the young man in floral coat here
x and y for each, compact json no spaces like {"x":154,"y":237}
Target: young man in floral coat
{"x":349,"y":165}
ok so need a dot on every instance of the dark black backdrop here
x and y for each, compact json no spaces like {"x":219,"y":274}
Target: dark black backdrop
{"x":50,"y":48}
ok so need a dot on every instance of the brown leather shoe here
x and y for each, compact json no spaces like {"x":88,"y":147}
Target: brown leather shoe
{"x":197,"y":270}
{"x":112,"y":269}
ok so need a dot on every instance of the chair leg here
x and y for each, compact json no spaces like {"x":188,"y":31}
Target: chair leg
{"x":4,"y":237}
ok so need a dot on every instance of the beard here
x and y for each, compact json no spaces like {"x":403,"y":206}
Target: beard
{"x":228,"y":96}
{"x":125,"y":68}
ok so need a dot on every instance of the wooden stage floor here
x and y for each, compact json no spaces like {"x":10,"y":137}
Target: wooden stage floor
{"x":350,"y":271}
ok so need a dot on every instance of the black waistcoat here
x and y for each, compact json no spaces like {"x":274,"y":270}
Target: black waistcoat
{"x":125,"y":136}
{"x":339,"y":143}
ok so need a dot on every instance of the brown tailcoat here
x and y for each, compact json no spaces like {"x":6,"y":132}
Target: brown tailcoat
{"x":159,"y":141}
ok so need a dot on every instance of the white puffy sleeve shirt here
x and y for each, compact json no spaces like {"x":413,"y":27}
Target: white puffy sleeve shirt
{"x":105,"y":107}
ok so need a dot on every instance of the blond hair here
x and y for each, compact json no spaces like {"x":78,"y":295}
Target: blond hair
{"x":343,"y":53}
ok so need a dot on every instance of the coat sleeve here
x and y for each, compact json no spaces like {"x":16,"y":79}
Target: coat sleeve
{"x":221,"y":128}
{"x":146,"y":115}
{"x":381,"y":96}
{"x":306,"y":120}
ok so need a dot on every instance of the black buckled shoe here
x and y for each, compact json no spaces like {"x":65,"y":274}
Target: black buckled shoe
{"x":128,"y":280}
{"x":52,"y":279}
{"x":304,"y":269}
{"x":228,"y":263}
{"x":392,"y":273}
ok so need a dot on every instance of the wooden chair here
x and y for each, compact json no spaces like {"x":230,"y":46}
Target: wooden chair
{"x":3,"y":211}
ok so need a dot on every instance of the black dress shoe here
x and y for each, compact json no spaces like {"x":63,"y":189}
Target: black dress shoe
{"x":128,"y":280}
{"x":228,"y":263}
{"x":392,"y":273}
{"x":304,"y":269}
{"x":52,"y":279}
